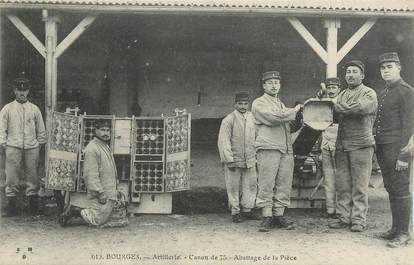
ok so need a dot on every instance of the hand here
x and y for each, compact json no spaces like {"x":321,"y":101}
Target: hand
{"x":401,"y":165}
{"x":102,"y":199}
{"x":298,"y":107}
{"x":322,"y":92}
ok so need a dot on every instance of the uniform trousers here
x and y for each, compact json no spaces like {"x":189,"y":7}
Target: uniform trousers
{"x":275,"y":181}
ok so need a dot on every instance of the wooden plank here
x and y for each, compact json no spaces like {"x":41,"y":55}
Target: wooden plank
{"x":308,"y":37}
{"x":355,"y":39}
{"x":332,"y":26}
{"x":28,"y":34}
{"x":74,"y":34}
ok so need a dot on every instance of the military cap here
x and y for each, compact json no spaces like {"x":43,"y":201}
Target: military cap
{"x":270,"y":75}
{"x":332,"y":81}
{"x":242,"y":96}
{"x":102,"y":123}
{"x":356,"y":63}
{"x":21,"y":82}
{"x":388,"y":57}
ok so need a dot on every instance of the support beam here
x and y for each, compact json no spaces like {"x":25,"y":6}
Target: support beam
{"x":307,"y":36}
{"x":76,"y":32}
{"x":28,"y":34}
{"x":332,"y":25}
{"x":355,"y":39}
{"x":50,"y":65}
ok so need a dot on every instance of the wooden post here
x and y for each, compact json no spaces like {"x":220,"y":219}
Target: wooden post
{"x":332,"y":26}
{"x":2,"y":93}
{"x":50,"y":64}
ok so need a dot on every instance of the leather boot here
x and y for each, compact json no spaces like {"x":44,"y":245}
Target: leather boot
{"x":10,"y":209}
{"x":73,"y":211}
{"x":402,"y":237}
{"x":33,"y":204}
{"x":390,"y":234}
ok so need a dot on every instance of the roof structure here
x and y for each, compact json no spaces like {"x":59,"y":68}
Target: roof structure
{"x":346,"y":7}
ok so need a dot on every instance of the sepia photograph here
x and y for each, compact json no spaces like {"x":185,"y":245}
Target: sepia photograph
{"x":212,"y":132}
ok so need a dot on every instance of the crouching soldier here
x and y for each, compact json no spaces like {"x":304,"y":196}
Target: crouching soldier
{"x":237,"y":153}
{"x":103,"y":204}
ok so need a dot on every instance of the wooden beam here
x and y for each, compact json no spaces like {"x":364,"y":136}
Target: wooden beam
{"x":332,"y":26}
{"x":28,"y":34}
{"x":50,"y":65}
{"x":76,"y":32}
{"x":307,"y":36}
{"x":355,"y":39}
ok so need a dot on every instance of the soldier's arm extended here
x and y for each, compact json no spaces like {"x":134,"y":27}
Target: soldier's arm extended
{"x":265,"y":114}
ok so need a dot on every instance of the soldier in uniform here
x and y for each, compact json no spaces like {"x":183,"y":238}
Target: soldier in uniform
{"x":393,"y":129}
{"x":356,"y":107}
{"x":22,"y":133}
{"x":330,"y":89}
{"x":274,"y":153}
{"x":100,"y":179}
{"x":237,"y":153}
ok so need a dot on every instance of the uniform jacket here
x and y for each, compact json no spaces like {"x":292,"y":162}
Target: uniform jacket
{"x":395,"y":117}
{"x":236,"y":140}
{"x":272,"y":120}
{"x":356,"y":109}
{"x":99,"y":170}
{"x":21,"y":125}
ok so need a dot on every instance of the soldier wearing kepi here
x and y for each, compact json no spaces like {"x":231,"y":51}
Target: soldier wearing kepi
{"x":393,"y":129}
{"x":238,"y":155}
{"x":22,"y":132}
{"x":356,"y":108}
{"x":100,"y":179}
{"x":274,"y":153}
{"x":330,"y":89}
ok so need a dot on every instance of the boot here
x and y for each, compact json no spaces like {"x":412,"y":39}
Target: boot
{"x":72,"y":212}
{"x":10,"y":209}
{"x":33,"y":204}
{"x":266,"y":224}
{"x":390,"y":234}
{"x":402,"y":237}
{"x":281,"y":222}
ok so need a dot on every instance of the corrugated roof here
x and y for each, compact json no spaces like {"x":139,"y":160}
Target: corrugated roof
{"x":326,"y":5}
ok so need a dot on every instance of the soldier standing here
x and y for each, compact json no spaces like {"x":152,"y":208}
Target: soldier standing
{"x":22,"y":133}
{"x":274,"y":153}
{"x":237,"y":153}
{"x":393,"y":129}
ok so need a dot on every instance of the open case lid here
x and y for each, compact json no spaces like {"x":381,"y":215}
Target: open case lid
{"x":62,"y":150}
{"x":178,"y":134}
{"x":318,"y":113}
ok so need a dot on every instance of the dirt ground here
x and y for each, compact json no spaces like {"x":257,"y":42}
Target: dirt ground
{"x":200,"y":231}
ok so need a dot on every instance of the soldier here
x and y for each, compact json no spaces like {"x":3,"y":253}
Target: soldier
{"x":22,"y":133}
{"x":393,"y":129}
{"x":100,"y":179}
{"x":330,"y":90}
{"x":274,"y":153}
{"x":237,"y":153}
{"x":356,"y":107}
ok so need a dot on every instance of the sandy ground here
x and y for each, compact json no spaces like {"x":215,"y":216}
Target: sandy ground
{"x":200,"y":232}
